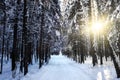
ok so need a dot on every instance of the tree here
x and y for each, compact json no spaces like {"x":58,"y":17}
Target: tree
{"x":3,"y":7}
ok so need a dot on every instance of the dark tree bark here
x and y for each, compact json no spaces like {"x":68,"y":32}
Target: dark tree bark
{"x":3,"y":41}
{"x":100,"y":49}
{"x":14,"y":51}
{"x":15,"y":55}
{"x":41,"y":35}
{"x":7,"y":50}
{"x":37,"y":51}
{"x":25,"y":38}
{"x":30,"y":53}
{"x":82,"y":52}
{"x":116,"y":64}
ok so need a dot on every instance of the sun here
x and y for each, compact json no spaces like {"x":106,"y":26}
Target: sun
{"x":97,"y":27}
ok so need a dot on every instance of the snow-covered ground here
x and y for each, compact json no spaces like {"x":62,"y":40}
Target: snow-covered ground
{"x":62,"y":68}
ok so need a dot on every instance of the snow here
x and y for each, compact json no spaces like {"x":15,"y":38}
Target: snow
{"x":62,"y":68}
{"x":57,"y":33}
{"x":59,"y":68}
{"x":7,"y":74}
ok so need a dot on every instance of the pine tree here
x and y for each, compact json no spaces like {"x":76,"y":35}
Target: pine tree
{"x":3,"y":7}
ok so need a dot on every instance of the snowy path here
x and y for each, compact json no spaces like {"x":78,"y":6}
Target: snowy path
{"x":61,"y":68}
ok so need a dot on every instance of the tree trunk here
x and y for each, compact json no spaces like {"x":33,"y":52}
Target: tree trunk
{"x":116,"y":64}
{"x":92,"y":50}
{"x":3,"y":42}
{"x":41,"y":35}
{"x":15,"y":45}
{"x":100,"y":49}
{"x":25,"y":38}
{"x":14,"y":51}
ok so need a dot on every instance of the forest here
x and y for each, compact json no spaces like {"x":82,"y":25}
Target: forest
{"x":33,"y":30}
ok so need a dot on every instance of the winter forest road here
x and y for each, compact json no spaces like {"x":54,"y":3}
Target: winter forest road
{"x":62,"y":68}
